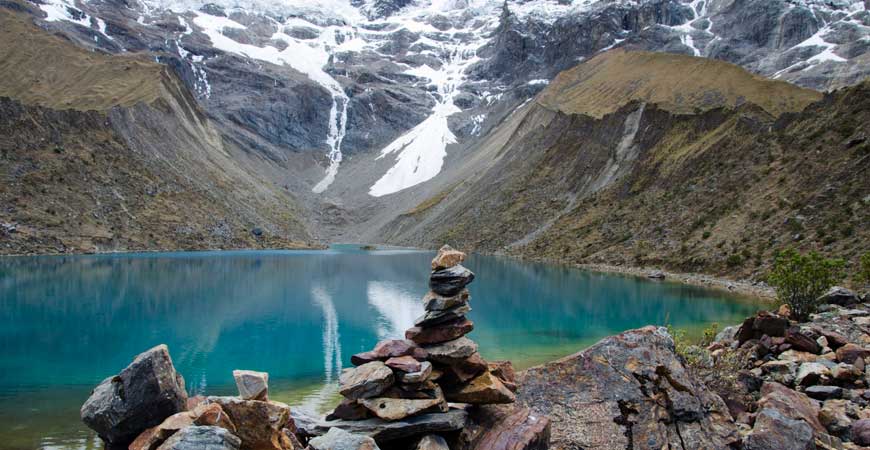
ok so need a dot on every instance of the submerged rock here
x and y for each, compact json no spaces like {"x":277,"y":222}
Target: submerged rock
{"x":449,"y":282}
{"x":202,"y":438}
{"x":610,"y":396}
{"x":338,"y":439}
{"x":143,"y":395}
{"x":252,"y":385}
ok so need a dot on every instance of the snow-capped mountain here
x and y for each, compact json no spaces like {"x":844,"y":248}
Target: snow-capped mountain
{"x":359,"y":100}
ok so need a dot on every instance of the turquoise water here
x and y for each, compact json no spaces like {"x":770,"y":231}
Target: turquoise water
{"x":69,"y":322}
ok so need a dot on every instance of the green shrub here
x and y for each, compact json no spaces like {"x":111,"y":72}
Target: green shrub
{"x":801,"y":279}
{"x":734,"y":261}
{"x":706,"y":235}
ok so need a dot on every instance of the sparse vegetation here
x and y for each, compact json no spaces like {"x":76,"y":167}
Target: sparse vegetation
{"x":863,"y":275}
{"x":800,"y":279}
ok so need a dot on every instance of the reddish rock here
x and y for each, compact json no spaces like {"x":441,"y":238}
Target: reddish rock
{"x":504,"y":371}
{"x":195,"y":401}
{"x":260,"y":425}
{"x":522,"y":430}
{"x":389,"y":349}
{"x":465,"y":370}
{"x":835,"y":339}
{"x":851,"y":352}
{"x":366,"y":381}
{"x":790,"y":403}
{"x":204,"y":414}
{"x":405,"y":364}
{"x":801,"y":342}
{"x":440,"y":333}
{"x":485,"y":389}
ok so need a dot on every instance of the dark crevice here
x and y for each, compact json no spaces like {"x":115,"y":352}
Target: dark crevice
{"x":626,"y":411}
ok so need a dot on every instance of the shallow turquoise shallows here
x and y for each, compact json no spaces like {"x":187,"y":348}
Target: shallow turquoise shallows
{"x":69,"y":322}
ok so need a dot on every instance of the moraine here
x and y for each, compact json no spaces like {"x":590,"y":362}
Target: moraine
{"x":297,"y":315}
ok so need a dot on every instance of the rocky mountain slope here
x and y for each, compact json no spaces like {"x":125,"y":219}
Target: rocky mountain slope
{"x":364,"y":109}
{"x":697,"y":179}
{"x":106,"y":153}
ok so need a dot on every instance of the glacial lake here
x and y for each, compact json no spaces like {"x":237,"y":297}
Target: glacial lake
{"x":68,"y":322}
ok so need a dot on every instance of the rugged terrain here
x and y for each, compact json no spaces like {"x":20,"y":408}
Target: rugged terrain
{"x":610,"y":166}
{"x":363,"y":120}
{"x":104,"y":153}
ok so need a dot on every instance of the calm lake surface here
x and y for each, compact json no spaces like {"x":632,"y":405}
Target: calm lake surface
{"x":66,"y":323}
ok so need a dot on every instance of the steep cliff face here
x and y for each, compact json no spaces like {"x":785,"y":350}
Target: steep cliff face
{"x":108,"y":153}
{"x":718,"y":189}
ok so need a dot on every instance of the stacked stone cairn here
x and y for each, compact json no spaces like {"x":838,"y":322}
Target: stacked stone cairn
{"x":434,"y":365}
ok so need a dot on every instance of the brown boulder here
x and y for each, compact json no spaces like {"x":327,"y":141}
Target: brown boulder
{"x":391,"y":348}
{"x":485,"y":389}
{"x":851,"y":352}
{"x":610,"y":396}
{"x":405,"y":364}
{"x":439,"y":333}
{"x":447,"y":257}
{"x":801,"y":342}
{"x":260,"y":425}
{"x":790,"y":403}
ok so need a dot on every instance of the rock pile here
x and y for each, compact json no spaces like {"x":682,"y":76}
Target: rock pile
{"x":434,"y":365}
{"x":145,"y":407}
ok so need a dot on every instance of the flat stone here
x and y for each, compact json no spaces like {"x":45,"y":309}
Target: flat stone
{"x":425,"y":390}
{"x":259,"y":424}
{"x":366,"y":381}
{"x":432,"y":318}
{"x":386,"y":431}
{"x":449,"y":282}
{"x":447,"y":257}
{"x":405,"y":364}
{"x":851,"y":352}
{"x":399,"y":408}
{"x":824,"y":392}
{"x":338,"y":439}
{"x":441,"y":332}
{"x":796,"y":356}
{"x":424,"y":374}
{"x":435,"y":302}
{"x":450,"y":352}
{"x":252,"y":385}
{"x":387,"y":349}
{"x":485,"y":389}
{"x":141,"y":396}
{"x":775,"y":431}
{"x":202,"y":438}
{"x":839,"y":296}
{"x":432,"y":442}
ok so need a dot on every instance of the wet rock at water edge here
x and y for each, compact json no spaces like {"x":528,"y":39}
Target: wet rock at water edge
{"x":435,"y":302}
{"x":387,"y":349}
{"x":338,"y":439}
{"x":447,"y":257}
{"x":202,"y":438}
{"x":252,"y":385}
{"x":439,"y":333}
{"x":452,"y":351}
{"x":775,"y":431}
{"x":144,"y":394}
{"x":366,"y":381}
{"x":449,"y":282}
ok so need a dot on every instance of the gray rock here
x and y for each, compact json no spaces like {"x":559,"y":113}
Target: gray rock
{"x":824,"y":392}
{"x":839,"y":296}
{"x":774,"y":431}
{"x":810,"y":373}
{"x":435,"y":302}
{"x":366,"y":381}
{"x":451,"y":281}
{"x":144,"y":394}
{"x":202,"y":438}
{"x":400,"y":408}
{"x":338,"y":439}
{"x":384,"y":431}
{"x":420,"y":376}
{"x":452,"y":351}
{"x":252,"y":385}
{"x":861,"y":432}
{"x":436,"y":317}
